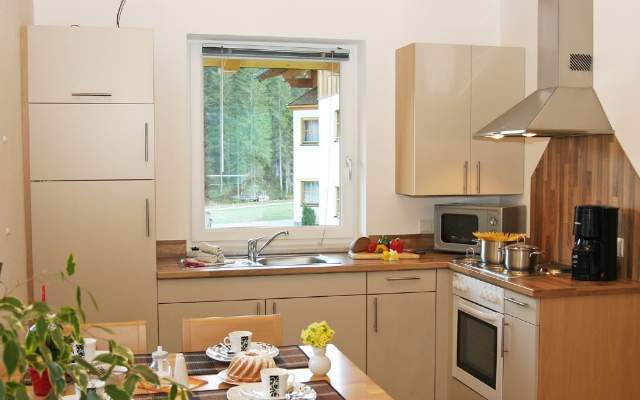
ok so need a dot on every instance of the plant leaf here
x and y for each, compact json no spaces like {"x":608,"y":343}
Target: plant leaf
{"x":115,"y":393}
{"x":146,"y":373}
{"x":93,"y":301}
{"x":20,"y":392}
{"x":130,"y":384}
{"x":174,"y":392}
{"x":79,"y":303}
{"x":3,"y":391}
{"x":10,"y":356}
{"x":71,"y":265}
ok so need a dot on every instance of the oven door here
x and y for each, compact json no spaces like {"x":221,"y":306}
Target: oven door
{"x":477,"y":348}
{"x":454,"y":227}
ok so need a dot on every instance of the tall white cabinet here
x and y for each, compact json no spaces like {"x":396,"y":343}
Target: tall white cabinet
{"x":91,"y":168}
{"x":445,"y":93}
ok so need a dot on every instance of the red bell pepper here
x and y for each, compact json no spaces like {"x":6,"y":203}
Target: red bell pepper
{"x":397,"y":244}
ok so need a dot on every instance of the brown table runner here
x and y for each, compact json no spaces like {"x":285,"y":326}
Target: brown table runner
{"x":323,"y":389}
{"x":198,"y":363}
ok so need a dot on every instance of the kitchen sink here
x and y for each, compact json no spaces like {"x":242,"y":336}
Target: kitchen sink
{"x":293,"y":260}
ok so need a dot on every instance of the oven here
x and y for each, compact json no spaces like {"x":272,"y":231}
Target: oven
{"x":478,"y":336}
{"x":454,"y":224}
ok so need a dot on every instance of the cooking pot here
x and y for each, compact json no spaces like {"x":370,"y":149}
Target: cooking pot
{"x":490,"y":252}
{"x":521,"y":256}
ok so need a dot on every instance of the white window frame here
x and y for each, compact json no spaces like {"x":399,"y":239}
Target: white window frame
{"x":302,"y":238}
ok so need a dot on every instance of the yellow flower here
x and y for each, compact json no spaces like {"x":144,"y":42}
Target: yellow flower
{"x":317,"y":334}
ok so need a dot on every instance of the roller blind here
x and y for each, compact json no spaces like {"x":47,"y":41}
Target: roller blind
{"x":298,"y":53}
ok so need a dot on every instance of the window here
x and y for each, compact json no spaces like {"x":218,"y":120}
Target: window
{"x":336,"y":133}
{"x":310,"y":193}
{"x":252,"y":108}
{"x":310,"y":134}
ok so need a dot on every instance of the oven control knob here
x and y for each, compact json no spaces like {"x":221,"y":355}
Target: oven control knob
{"x":493,"y":222}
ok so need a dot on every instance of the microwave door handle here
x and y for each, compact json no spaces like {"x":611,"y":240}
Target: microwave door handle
{"x":478,"y":314}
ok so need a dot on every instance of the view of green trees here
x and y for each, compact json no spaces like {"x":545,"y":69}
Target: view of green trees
{"x":257,"y":136}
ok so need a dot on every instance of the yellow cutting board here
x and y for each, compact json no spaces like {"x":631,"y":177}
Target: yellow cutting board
{"x":378,"y":256}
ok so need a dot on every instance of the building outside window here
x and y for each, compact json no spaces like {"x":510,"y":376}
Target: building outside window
{"x":264,"y":147}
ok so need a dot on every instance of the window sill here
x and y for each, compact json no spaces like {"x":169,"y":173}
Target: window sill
{"x":310,"y":144}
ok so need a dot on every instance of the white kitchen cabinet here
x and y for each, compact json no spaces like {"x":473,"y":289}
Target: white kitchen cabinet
{"x":497,"y":84}
{"x":109,"y":228}
{"x":91,"y":141}
{"x":520,"y":360}
{"x":170,"y":317}
{"x":401,"y":343}
{"x":433,"y":94}
{"x":345,"y":314}
{"x":444,"y":93}
{"x":90,"y":65}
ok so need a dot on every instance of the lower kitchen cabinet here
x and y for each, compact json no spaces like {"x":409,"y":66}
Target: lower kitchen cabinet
{"x":170,"y":317}
{"x":345,"y":314}
{"x":401,"y":343}
{"x":520,"y":359}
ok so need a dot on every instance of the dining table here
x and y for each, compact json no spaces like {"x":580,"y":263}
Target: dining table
{"x":345,"y":377}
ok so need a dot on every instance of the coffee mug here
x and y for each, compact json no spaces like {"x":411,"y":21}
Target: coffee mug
{"x":238,"y":341}
{"x":89,"y":347}
{"x":276,"y":382}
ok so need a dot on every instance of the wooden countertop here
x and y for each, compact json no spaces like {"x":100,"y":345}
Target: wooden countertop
{"x":534,"y":286}
{"x":169,"y":268}
{"x":548,"y":286}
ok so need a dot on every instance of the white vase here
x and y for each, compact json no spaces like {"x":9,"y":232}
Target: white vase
{"x":319,"y":363}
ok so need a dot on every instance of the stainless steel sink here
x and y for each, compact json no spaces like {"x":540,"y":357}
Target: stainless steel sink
{"x":298,"y":259}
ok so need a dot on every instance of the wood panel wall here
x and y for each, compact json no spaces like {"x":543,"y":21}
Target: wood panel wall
{"x":584,"y":170}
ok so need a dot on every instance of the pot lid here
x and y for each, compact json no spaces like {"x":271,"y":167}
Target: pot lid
{"x":522,"y":246}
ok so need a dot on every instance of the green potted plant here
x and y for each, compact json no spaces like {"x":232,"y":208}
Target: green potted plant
{"x":39,"y":339}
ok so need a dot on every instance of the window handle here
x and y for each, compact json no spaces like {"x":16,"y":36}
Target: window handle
{"x":349,"y":164}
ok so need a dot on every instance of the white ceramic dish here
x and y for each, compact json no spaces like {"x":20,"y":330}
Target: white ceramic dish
{"x":221,"y":353}
{"x":253,"y":391}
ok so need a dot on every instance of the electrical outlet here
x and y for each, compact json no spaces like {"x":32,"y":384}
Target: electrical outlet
{"x":620,"y":247}
{"x":426,"y":225}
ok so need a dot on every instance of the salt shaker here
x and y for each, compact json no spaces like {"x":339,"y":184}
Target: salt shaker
{"x":180,"y":374}
{"x":160,"y":364}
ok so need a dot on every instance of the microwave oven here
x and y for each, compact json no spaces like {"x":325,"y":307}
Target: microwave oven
{"x":455,"y":223}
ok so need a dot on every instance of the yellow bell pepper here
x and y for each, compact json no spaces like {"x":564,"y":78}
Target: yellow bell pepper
{"x":391,"y":255}
{"x":381,"y":248}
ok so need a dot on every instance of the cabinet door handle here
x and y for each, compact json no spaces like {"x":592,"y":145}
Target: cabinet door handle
{"x":504,"y":331}
{"x":478,"y":177}
{"x":375,"y":314}
{"x":404,"y":278}
{"x":258,"y":308}
{"x":349,"y":164}
{"x":147,"y":222}
{"x":465,"y":173}
{"x":146,"y":142}
{"x":514,"y":301}
{"x":274,"y":308}
{"x":91,"y":94}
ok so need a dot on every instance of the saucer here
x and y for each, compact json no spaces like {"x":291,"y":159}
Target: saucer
{"x":255,"y":391}
{"x":224,"y":377}
{"x":221,"y":353}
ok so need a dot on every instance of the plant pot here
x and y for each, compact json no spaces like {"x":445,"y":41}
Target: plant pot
{"x":40,"y":382}
{"x":319,"y":363}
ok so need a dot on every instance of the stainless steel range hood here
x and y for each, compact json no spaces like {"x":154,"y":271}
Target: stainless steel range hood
{"x":566,"y":103}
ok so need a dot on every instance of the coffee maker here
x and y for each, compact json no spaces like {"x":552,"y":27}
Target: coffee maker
{"x":594,"y":255}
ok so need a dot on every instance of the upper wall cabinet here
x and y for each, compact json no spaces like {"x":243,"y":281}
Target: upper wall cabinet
{"x":444,"y":93}
{"x":90,"y":65}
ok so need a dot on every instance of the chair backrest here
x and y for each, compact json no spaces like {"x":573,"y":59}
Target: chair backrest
{"x":200,"y":333}
{"x":131,"y":334}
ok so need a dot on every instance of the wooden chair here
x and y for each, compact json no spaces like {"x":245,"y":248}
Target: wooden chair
{"x":131,"y":334}
{"x":199,"y":333}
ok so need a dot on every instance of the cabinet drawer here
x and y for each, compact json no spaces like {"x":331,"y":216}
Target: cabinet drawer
{"x":90,"y":65}
{"x":521,"y":306}
{"x":401,"y":281}
{"x":91,"y":141}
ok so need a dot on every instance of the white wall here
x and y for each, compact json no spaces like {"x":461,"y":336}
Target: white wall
{"x":382,"y":26}
{"x":13,"y":15}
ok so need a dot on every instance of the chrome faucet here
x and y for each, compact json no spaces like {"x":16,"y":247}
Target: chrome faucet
{"x":252,"y":245}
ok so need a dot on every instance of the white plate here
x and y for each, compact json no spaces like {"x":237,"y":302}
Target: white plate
{"x":225,"y":378}
{"x":220,"y":352}
{"x":253,"y":391}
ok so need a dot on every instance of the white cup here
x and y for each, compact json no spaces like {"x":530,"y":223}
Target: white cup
{"x":89,"y":347}
{"x":276,"y":382}
{"x":238,"y":341}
